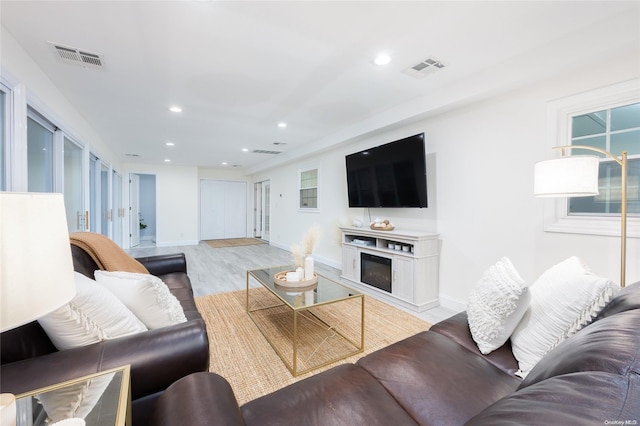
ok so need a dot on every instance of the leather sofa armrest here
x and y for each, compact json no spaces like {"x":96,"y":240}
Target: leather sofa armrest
{"x":164,"y":264}
{"x":200,"y":399}
{"x":157,"y":357}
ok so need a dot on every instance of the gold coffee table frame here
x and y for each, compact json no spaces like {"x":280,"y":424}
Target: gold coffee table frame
{"x":300,"y":303}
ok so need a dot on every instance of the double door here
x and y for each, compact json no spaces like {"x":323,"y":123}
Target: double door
{"x":223,"y":209}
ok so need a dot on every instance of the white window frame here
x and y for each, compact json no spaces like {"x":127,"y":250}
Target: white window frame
{"x":309,"y":209}
{"x":16,"y":133}
{"x":8,"y":129}
{"x":559,"y":116}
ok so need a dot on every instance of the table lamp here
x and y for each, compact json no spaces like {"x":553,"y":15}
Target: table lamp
{"x":577,"y":176}
{"x":36,"y":269}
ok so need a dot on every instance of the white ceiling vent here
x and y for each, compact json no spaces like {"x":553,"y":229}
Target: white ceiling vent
{"x":264,"y":151}
{"x":72,"y":55}
{"x":425,"y":67}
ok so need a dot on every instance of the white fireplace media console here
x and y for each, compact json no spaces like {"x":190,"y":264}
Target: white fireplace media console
{"x":411,"y":257}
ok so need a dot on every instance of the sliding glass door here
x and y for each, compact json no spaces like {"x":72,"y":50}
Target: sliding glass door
{"x":117,"y":212}
{"x":40,"y":154}
{"x":74,"y":186}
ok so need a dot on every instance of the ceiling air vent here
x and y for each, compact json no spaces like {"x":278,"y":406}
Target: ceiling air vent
{"x":425,"y":67}
{"x":72,"y":55}
{"x":264,"y":151}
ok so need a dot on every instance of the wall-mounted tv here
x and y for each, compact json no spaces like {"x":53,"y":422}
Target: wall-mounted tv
{"x":389,"y":175}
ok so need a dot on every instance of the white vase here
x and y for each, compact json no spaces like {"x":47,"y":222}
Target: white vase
{"x":300,"y":271}
{"x":308,"y":267}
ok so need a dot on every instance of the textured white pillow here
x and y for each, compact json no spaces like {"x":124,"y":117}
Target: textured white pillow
{"x":93,"y":315}
{"x":563,"y":300}
{"x":496,"y":305}
{"x":146,"y":295}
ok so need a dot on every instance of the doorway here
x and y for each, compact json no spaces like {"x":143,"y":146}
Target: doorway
{"x":261,"y":210}
{"x":142,"y":202}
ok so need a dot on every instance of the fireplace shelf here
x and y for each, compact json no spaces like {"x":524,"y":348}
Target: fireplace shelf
{"x":414,"y":259}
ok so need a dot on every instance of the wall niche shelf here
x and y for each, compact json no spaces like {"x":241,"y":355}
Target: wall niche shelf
{"x":414,"y":259}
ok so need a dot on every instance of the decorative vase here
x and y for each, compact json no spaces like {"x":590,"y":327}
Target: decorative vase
{"x":300,"y":271}
{"x":308,"y":267}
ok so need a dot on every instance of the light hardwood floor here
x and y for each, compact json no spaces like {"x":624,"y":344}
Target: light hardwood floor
{"x":218,"y":270}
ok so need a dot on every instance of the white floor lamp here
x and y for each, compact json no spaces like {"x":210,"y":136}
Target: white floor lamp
{"x":577,"y":176}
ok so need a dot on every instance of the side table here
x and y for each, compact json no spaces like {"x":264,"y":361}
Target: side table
{"x":99,"y":399}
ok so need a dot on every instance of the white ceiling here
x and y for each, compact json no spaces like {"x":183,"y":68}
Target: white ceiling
{"x":238,"y":68}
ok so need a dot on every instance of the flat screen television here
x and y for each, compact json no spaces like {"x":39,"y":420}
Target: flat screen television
{"x":389,"y":175}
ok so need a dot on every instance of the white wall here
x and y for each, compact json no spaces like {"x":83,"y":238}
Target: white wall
{"x":176,"y":202}
{"x":289,"y":224}
{"x":486,"y":154}
{"x":480,"y":183}
{"x":480,"y":161}
{"x":17,"y":66}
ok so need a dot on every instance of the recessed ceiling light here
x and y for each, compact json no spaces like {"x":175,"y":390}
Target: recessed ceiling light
{"x":224,"y":163}
{"x":382,"y":59}
{"x":170,"y":144}
{"x":282,"y":124}
{"x":175,"y":109}
{"x":245,"y":149}
{"x":166,"y":160}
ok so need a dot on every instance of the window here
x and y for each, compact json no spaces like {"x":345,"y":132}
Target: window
{"x":614,"y":130}
{"x":309,"y":189}
{"x":607,"y":118}
{"x":40,"y":154}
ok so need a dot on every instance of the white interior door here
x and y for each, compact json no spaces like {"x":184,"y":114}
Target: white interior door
{"x":211,"y":210}
{"x":257,"y":210}
{"x":117,"y":212}
{"x":223,"y":209}
{"x":134,"y":212}
{"x":266,"y":210}
{"x":105,"y":202}
{"x":235,"y":210}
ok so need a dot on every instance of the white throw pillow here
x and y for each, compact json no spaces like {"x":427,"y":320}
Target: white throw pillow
{"x":146,"y":295}
{"x":93,"y":315}
{"x":496,"y":305}
{"x":563,"y":300}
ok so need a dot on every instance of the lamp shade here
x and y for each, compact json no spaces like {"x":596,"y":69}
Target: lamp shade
{"x":575,"y":176}
{"x":36,"y":269}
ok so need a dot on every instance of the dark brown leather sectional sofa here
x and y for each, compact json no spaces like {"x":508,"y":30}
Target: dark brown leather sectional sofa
{"x":157,"y":357}
{"x":439,"y":377}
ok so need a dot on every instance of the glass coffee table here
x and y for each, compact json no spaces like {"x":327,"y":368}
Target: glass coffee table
{"x":308,"y":327}
{"x":100,"y":399}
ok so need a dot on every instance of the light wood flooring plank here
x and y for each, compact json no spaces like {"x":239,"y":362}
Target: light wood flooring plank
{"x":219,"y":270}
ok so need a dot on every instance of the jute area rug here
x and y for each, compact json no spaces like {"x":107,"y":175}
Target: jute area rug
{"x":241,"y":354}
{"x":234,"y":242}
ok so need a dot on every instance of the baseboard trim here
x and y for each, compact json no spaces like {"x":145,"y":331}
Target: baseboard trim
{"x":319,"y":259}
{"x":177,"y":243}
{"x":452,"y":303}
